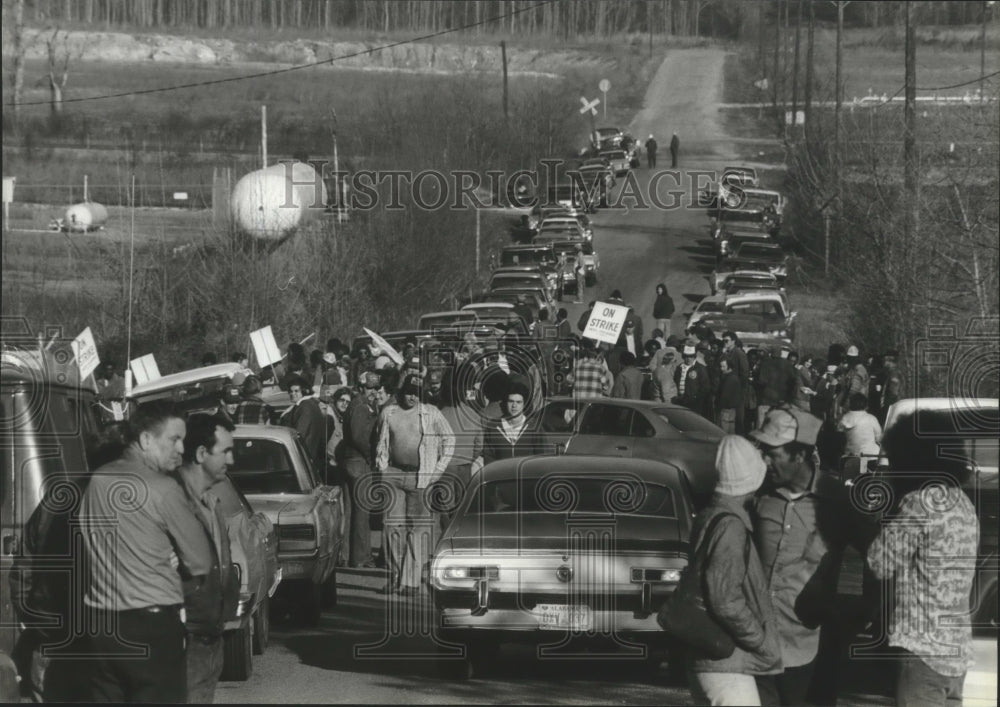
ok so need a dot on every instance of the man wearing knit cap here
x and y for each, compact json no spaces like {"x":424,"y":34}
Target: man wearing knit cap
{"x":733,"y":583}
{"x":800,"y":557}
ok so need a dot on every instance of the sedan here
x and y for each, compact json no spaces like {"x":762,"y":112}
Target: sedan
{"x":273,"y":470}
{"x":531,"y":280}
{"x":516,"y":564}
{"x":713,"y":304}
{"x":619,"y":161}
{"x":760,"y":256}
{"x":635,"y":428}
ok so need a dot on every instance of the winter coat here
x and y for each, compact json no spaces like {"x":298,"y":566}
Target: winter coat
{"x":663,"y":307}
{"x":628,"y":384}
{"x":735,"y":590}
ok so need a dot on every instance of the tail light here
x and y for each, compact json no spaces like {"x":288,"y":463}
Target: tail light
{"x":646,"y":574}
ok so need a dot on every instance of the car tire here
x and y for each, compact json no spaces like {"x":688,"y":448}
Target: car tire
{"x":262,"y":627}
{"x":330,"y":589}
{"x":237,"y":654}
{"x":310,"y":603}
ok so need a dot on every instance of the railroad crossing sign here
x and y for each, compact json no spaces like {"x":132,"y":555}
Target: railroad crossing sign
{"x":589,"y":106}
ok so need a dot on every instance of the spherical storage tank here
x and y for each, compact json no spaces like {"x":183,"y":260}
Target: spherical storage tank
{"x":88,"y":216}
{"x":270,"y":203}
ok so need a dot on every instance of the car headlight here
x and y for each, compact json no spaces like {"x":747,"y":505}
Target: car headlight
{"x":779,"y":332}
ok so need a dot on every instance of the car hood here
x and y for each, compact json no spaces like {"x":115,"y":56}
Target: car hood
{"x":542,"y":531}
{"x":283,"y":508}
{"x":768,"y":259}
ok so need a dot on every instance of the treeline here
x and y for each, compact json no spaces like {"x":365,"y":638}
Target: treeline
{"x":565,"y":18}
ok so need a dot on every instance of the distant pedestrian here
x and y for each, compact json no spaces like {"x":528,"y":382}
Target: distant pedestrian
{"x":663,"y":309}
{"x":581,"y":273}
{"x":138,"y":529}
{"x":675,"y":146}
{"x":651,"y":152}
{"x":252,"y":410}
{"x":693,"y":387}
{"x":664,"y":385}
{"x":359,"y":421}
{"x":861,"y":429}
{"x":730,"y":397}
{"x":892,"y":382}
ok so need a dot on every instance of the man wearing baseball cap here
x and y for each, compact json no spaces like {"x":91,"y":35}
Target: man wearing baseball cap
{"x":693,"y":387}
{"x":793,"y":535}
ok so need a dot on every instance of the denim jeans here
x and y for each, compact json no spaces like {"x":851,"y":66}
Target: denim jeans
{"x":723,"y":688}
{"x":358,"y":510}
{"x":919,"y":686}
{"x":204,"y":666}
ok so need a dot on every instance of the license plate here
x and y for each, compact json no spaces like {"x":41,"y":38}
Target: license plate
{"x":564,"y":617}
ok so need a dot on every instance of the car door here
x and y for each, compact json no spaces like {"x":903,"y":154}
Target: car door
{"x":557,"y":421}
{"x":607,"y":430}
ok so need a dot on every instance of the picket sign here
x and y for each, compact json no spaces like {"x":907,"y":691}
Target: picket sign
{"x":265,"y":347}
{"x":85,"y":350}
{"x":386,"y":347}
{"x":145,"y":369}
{"x":606,"y":322}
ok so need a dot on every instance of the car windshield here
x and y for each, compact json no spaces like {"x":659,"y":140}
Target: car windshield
{"x":263,"y":466}
{"x":513,"y":280}
{"x":510,"y":258}
{"x":614,"y":155}
{"x":624,"y":495}
{"x":445,"y":320}
{"x":713,"y":306}
{"x":685,"y":420}
{"x":754,"y":250}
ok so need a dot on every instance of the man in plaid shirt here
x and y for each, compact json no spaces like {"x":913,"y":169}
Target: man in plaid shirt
{"x":253,"y":410}
{"x":590,"y":377}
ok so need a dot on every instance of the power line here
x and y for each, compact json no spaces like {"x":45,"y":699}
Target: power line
{"x":298,"y":67}
{"x":964,"y":83}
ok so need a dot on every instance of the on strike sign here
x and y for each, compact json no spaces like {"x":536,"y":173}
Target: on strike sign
{"x":86,"y":353}
{"x":606,"y":322}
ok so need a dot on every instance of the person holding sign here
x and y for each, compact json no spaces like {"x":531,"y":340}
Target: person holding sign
{"x":590,"y":377}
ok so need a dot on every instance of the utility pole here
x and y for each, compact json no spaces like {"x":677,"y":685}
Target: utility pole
{"x":649,"y":21}
{"x":910,"y":156}
{"x":263,"y":135}
{"x":810,"y":40}
{"x":775,"y":69}
{"x":982,"y":51}
{"x":503,"y":56}
{"x":795,"y":63}
{"x":839,"y":93}
{"x":336,"y":166}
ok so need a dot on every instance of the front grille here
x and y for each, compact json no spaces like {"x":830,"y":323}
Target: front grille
{"x":526,"y":601}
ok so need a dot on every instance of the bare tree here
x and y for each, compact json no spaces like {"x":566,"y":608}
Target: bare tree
{"x":19,"y":48}
{"x":59,"y":58}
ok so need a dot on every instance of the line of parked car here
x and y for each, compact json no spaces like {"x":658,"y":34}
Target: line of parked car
{"x":747,"y":285}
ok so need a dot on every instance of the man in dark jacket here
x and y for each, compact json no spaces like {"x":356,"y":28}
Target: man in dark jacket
{"x":628,"y":381}
{"x":359,"y":423}
{"x":730,"y":397}
{"x":663,"y":309}
{"x":691,"y":377}
{"x":651,"y":152}
{"x":306,"y":418}
{"x":675,"y":146}
{"x":775,"y":381}
{"x":511,"y":436}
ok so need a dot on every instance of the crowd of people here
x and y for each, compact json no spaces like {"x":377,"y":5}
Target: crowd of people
{"x":423,"y":422}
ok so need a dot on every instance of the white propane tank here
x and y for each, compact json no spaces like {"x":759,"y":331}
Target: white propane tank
{"x":269,"y":203}
{"x":88,"y":216}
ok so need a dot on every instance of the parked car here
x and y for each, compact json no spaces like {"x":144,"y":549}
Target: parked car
{"x":531,"y":254}
{"x":542,"y":211}
{"x":771,"y":306}
{"x":635,"y":428}
{"x":746,"y":281}
{"x":574,"y":224}
{"x":591,"y":261}
{"x":600,"y":168}
{"x":488,"y":310}
{"x":618,"y":159}
{"x":608,"y":133}
{"x":753,"y":331}
{"x":437,"y":320}
{"x":531,"y":280}
{"x":273,"y":471}
{"x":731,"y":236}
{"x":713,"y":304}
{"x":570,"y":195}
{"x":547,"y":271}
{"x":538,"y":298}
{"x":759,"y":256}
{"x":515,"y":566}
